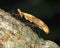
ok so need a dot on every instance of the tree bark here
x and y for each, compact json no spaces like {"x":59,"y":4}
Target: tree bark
{"x":15,"y":34}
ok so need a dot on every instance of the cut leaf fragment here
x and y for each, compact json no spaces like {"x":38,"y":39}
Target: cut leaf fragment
{"x":35,"y":20}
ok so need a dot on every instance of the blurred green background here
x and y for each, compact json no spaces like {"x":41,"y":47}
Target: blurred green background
{"x":47,"y":10}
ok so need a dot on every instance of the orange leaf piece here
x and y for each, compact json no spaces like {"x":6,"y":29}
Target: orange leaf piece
{"x":35,"y":20}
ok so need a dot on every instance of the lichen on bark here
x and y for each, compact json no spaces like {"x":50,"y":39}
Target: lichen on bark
{"x":15,"y":34}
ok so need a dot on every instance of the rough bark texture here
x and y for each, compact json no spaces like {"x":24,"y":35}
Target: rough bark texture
{"x":15,"y":34}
